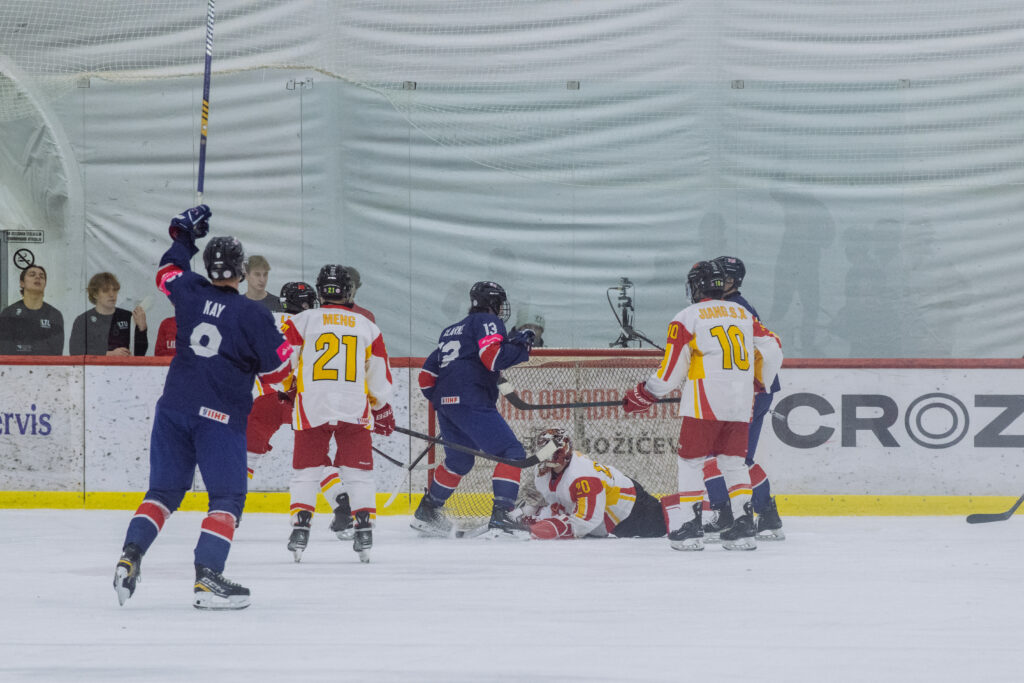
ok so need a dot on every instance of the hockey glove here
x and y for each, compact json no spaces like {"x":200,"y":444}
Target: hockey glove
{"x":523,"y":338}
{"x":384,"y":421}
{"x":554,"y":527}
{"x":191,"y":224}
{"x":638,"y":399}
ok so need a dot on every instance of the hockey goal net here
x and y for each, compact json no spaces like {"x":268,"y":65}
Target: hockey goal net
{"x":643,"y":447}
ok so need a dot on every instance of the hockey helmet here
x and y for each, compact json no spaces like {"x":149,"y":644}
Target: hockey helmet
{"x":734,"y":269}
{"x":335,"y":283}
{"x":297,"y":297}
{"x":560,"y":440}
{"x":224,"y":258}
{"x":489,"y":296}
{"x":706,"y":280}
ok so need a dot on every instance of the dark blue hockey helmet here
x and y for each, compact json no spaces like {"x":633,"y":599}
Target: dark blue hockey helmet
{"x":489,"y":296}
{"x":734,"y":269}
{"x":224,"y":258}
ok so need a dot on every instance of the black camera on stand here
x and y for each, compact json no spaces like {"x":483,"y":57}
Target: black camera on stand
{"x":624,"y":316}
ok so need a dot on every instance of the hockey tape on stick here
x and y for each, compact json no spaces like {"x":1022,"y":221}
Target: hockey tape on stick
{"x":205,"y":120}
{"x":982,"y":517}
{"x":522,"y":464}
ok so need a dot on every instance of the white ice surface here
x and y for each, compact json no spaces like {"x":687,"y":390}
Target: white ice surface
{"x":842,"y":599}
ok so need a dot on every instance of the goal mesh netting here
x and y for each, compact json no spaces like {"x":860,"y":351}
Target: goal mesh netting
{"x":641,"y":446}
{"x":839,"y":93}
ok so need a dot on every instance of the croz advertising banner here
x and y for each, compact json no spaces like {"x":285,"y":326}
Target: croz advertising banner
{"x":832,"y":430}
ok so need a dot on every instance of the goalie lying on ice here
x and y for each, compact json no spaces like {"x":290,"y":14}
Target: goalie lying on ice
{"x":585,"y":498}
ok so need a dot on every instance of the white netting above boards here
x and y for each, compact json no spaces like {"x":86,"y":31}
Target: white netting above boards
{"x":643,"y":446}
{"x":687,"y":94}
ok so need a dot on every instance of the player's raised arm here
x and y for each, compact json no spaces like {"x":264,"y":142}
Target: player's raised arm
{"x":185,"y":229}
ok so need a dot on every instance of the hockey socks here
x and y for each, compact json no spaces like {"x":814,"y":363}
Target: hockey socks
{"x":147,"y":522}
{"x":218,"y":530}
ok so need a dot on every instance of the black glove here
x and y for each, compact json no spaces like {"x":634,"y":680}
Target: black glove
{"x":191,"y":224}
{"x":523,"y":338}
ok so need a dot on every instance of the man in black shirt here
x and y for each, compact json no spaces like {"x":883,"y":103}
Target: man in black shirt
{"x":106,"y":330}
{"x":32,"y":326}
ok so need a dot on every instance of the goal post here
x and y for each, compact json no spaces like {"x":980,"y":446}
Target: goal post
{"x":641,"y":446}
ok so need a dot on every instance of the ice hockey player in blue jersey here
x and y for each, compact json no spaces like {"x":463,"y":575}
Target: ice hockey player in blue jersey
{"x":224,"y":341}
{"x":769,"y":524}
{"x":460,"y":379}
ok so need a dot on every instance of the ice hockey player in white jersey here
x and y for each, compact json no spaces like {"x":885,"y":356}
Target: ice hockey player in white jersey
{"x":585,"y":498}
{"x":343,"y":388}
{"x":711,"y":347}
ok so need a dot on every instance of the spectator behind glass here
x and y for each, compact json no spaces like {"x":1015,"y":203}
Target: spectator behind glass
{"x":32,"y":326}
{"x":257,"y":272}
{"x":106,"y":329}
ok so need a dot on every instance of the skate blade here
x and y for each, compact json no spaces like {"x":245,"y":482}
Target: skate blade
{"x":120,"y":574}
{"x":209,"y":601}
{"x":501,"y":535}
{"x":744,"y":544}
{"x":711,"y":538}
{"x":345,"y":534}
{"x":688,"y":545}
{"x":428,"y":530}
{"x":297,"y":555}
{"x":773,"y":535}
{"x":364,"y":556}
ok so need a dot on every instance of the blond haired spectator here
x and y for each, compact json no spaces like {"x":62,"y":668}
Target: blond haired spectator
{"x":105,"y":330}
{"x":257,"y":272}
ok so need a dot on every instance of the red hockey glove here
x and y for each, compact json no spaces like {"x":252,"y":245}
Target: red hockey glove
{"x":384,"y":421}
{"x":638,"y":399}
{"x":553,"y":527}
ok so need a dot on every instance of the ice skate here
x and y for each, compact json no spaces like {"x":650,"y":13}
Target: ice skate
{"x":504,"y":527}
{"x":740,"y":536}
{"x":690,"y":536}
{"x":128,"y":572}
{"x":363,"y":535}
{"x":299,"y":538}
{"x":721,"y":519}
{"x":429,"y":520}
{"x":341,"y":523}
{"x":769,"y":524}
{"x":213,"y":591}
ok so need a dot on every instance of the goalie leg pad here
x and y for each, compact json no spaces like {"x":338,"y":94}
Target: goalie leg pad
{"x":552,"y":528}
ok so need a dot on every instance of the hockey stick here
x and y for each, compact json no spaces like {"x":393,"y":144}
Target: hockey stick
{"x":522,"y":464}
{"x":982,"y":517}
{"x":408,"y":468}
{"x":205,"y":120}
{"x":509,"y":392}
{"x":387,"y":457}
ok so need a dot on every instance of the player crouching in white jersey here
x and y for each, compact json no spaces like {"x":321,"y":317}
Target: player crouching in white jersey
{"x":585,"y":498}
{"x":711,"y":346}
{"x":343,"y":388}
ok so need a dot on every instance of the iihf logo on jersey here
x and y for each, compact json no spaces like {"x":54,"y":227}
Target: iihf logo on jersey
{"x":449,"y":400}
{"x":211,"y":414}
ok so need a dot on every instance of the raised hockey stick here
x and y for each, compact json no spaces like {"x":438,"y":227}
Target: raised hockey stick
{"x":205,"y":120}
{"x":982,"y":517}
{"x":522,"y":464}
{"x":509,"y":392}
